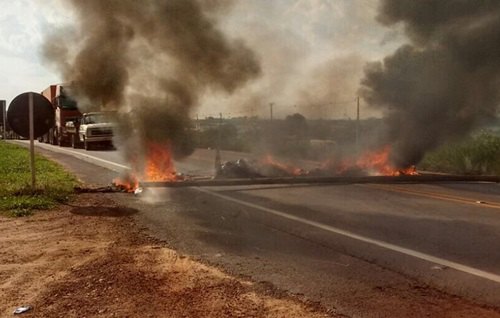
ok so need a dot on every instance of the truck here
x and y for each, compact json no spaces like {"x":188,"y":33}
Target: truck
{"x":65,"y":110}
{"x":94,"y":128}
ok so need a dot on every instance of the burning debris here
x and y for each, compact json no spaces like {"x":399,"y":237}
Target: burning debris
{"x":159,"y":166}
{"x":373,"y":163}
{"x":241,"y":168}
{"x":126,"y":183}
{"x":376,"y":163}
{"x":267,"y":170}
{"x":267,"y":167}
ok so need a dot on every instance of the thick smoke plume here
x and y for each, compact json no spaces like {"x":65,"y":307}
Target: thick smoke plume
{"x":438,"y":86}
{"x":329,"y":92}
{"x":150,"y":60}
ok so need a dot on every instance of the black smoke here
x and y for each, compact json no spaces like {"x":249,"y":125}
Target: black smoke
{"x":151,"y":60}
{"x":438,"y":86}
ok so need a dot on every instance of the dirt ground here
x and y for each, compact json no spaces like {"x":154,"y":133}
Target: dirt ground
{"x":89,"y":259}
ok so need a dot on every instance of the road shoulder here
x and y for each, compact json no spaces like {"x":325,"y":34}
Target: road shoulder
{"x":89,"y":259}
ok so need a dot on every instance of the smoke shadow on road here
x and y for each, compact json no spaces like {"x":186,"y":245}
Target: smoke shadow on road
{"x":112,"y":211}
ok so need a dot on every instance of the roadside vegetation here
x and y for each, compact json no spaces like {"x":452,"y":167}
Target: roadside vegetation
{"x":53,"y":183}
{"x":295,"y":136}
{"x":476,"y":155}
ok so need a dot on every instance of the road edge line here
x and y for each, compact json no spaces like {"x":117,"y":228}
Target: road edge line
{"x":85,"y":157}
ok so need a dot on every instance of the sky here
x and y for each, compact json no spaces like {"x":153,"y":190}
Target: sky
{"x":22,"y":26}
{"x":312,"y":53}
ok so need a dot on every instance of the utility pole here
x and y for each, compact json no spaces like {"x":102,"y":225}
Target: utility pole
{"x":357,"y":125}
{"x":31,"y":117}
{"x":3,"y":109}
{"x":217,"y":163}
{"x":271,"y":110}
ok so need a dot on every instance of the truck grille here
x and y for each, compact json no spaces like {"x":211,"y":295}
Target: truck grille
{"x":101,"y":132}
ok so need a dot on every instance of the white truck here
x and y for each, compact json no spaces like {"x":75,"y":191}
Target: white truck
{"x":95,"y":128}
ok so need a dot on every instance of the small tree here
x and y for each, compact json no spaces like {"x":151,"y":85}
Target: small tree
{"x":296,"y":126}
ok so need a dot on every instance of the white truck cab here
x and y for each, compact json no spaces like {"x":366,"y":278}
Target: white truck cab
{"x":96,"y":128}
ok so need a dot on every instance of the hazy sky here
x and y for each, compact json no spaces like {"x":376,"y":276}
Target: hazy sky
{"x":22,"y":25}
{"x":311,"y":51}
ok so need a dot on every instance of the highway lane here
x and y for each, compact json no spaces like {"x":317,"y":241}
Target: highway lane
{"x":456,"y":223}
{"x":201,"y":162}
{"x":451,"y":230}
{"x":289,"y":230}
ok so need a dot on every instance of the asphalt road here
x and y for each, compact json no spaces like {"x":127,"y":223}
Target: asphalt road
{"x":377,"y":250}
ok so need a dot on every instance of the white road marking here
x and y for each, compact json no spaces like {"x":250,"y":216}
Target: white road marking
{"x":107,"y":162}
{"x":83,"y":156}
{"x":389,"y":246}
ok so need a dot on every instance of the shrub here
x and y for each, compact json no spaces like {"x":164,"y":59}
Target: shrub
{"x":476,"y":155}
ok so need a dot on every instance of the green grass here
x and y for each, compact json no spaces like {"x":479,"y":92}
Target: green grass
{"x":479,"y":155}
{"x":53,"y":183}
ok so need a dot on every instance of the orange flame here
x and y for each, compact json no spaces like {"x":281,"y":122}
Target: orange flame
{"x":159,"y":166}
{"x":376,"y":163}
{"x":126,"y":183}
{"x":294,"y":171}
{"x":159,"y":163}
{"x":369,"y":163}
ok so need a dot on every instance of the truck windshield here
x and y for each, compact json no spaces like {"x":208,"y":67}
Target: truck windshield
{"x":97,"y":118}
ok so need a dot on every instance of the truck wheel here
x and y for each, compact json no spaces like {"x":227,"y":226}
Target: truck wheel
{"x":73,"y":142}
{"x":54,"y":137}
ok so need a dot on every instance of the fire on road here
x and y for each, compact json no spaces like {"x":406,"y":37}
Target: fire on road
{"x":428,"y":226}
